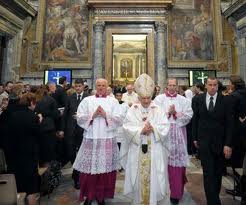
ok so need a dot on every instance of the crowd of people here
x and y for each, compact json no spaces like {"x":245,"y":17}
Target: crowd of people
{"x":138,"y":129}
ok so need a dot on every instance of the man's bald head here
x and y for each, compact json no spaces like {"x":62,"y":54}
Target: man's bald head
{"x":101,"y":86}
{"x":129,"y":88}
{"x":172,"y":85}
{"x":101,"y":80}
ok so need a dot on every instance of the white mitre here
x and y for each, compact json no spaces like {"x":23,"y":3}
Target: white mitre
{"x":144,"y":85}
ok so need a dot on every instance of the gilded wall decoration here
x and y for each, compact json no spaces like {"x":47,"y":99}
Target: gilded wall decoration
{"x":126,"y":68}
{"x":65,"y":32}
{"x":192,"y":33}
{"x":185,"y":4}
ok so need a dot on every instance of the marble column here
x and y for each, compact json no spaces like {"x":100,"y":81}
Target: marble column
{"x":98,"y":57}
{"x":161,"y":54}
{"x":12,"y":55}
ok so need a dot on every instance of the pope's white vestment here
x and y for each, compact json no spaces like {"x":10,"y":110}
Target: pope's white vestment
{"x":147,"y":184}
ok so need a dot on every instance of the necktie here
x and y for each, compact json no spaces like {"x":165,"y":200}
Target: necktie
{"x":211,"y":104}
{"x":79,"y":96}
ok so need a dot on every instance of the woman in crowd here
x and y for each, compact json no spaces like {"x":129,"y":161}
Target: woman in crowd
{"x":47,"y":106}
{"x":237,"y":99}
{"x":24,"y":135}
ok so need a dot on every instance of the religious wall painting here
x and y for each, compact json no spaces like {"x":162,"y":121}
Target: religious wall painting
{"x":126,"y":68}
{"x":192,"y":36}
{"x":66,"y":31}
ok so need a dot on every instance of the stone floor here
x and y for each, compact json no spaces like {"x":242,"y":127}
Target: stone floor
{"x":65,"y":194}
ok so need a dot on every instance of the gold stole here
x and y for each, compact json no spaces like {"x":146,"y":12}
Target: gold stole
{"x":145,"y":169}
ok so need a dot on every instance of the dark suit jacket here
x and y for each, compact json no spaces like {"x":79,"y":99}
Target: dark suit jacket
{"x":60,"y":96}
{"x":212,"y":128}
{"x":48,"y":108}
{"x":69,"y":124}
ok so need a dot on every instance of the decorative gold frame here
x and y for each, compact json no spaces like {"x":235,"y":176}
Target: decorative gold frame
{"x":40,"y":33}
{"x":217,"y":30}
{"x":150,"y":49}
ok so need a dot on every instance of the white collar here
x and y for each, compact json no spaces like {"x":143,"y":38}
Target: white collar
{"x":214,"y":96}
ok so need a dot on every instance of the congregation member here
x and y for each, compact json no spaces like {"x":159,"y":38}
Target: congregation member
{"x":47,"y":107}
{"x":58,"y":92}
{"x":157,"y":91}
{"x":1,"y":88}
{"x":237,"y":100}
{"x":199,"y":89}
{"x":110,"y":92}
{"x":10,"y":105}
{"x":24,"y":134}
{"x":73,"y":134}
{"x":146,"y":127}
{"x":120,"y":135}
{"x":190,"y":145}
{"x":7,"y":89}
{"x":97,"y":159}
{"x":212,"y":128}
{"x":130,"y":96}
{"x":27,"y":88}
{"x":179,"y":113}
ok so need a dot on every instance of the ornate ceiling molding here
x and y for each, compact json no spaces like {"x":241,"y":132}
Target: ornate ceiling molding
{"x":26,"y":7}
{"x":130,"y":3}
{"x":10,"y":24}
{"x":237,"y":10}
{"x":130,"y":12}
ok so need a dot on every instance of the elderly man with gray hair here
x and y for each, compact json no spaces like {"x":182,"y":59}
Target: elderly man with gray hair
{"x":97,"y":159}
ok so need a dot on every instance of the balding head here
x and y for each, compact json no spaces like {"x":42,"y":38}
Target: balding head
{"x":172,"y":85}
{"x":129,"y":88}
{"x":101,"y":86}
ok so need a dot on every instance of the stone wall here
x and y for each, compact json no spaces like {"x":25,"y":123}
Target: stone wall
{"x":242,"y":48}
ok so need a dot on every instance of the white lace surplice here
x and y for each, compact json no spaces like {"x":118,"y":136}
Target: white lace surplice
{"x":119,"y":133}
{"x":177,"y":134}
{"x":98,"y":152}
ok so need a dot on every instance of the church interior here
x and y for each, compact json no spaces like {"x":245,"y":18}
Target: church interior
{"x":119,"y":40}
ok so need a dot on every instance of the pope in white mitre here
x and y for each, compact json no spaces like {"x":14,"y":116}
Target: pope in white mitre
{"x":146,"y":128}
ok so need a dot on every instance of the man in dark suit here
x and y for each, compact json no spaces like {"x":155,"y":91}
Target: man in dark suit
{"x":58,"y":92}
{"x":212,"y":128}
{"x":73,"y":134}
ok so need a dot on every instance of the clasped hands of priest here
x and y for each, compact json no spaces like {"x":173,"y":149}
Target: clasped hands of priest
{"x":147,"y":129}
{"x":172,"y":110}
{"x":100,"y":112}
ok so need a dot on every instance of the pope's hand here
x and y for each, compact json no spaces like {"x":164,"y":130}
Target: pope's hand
{"x":147,"y":129}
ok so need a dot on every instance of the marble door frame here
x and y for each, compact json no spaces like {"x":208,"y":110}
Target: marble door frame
{"x":108,"y":52}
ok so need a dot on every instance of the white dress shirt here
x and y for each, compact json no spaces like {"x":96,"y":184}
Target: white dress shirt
{"x":208,"y":99}
{"x":81,"y":94}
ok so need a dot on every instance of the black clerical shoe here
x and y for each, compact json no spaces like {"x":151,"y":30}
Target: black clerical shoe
{"x":87,"y":202}
{"x":174,"y":201}
{"x":76,"y":185}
